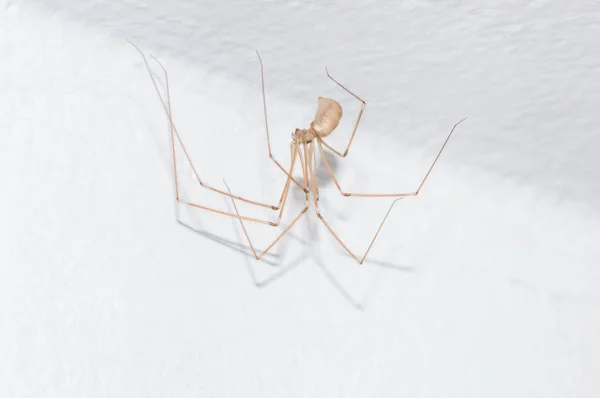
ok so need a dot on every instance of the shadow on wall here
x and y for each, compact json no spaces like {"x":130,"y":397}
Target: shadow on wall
{"x":309,"y":252}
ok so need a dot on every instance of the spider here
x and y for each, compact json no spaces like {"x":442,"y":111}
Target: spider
{"x":302,"y":147}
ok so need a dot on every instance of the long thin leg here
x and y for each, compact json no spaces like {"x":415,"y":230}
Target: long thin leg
{"x":285,"y":231}
{"x":283,"y":203}
{"x":359,"y":259}
{"x":262,"y":78}
{"x":315,"y":187}
{"x":282,"y":200}
{"x":414,"y":193}
{"x":315,"y":176}
{"x":302,"y":157}
{"x":362,"y":109}
{"x":175,"y":134}
{"x":310,"y":161}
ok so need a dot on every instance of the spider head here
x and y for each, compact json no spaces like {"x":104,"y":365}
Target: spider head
{"x":302,"y":136}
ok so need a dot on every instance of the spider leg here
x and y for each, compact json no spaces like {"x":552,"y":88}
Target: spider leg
{"x":362,"y":109}
{"x":414,"y":193}
{"x":311,"y":166}
{"x":285,"y":231}
{"x":314,"y":166}
{"x":289,"y":175}
{"x":238,"y":216}
{"x":175,"y":135}
{"x":314,"y":182}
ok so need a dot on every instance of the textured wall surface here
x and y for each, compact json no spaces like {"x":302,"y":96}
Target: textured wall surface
{"x":486,"y":285}
{"x":527,"y":74}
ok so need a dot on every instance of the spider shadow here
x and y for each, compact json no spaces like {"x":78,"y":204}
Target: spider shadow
{"x":270,"y":258}
{"x":310,"y":252}
{"x":323,"y":176}
{"x":158,"y":142}
{"x":382,"y":263}
{"x":249,"y":256}
{"x":352,"y":299}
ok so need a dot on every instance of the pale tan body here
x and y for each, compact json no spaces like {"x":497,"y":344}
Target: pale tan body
{"x":327,"y":117}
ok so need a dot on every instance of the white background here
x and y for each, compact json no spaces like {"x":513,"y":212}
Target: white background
{"x":484,"y":285}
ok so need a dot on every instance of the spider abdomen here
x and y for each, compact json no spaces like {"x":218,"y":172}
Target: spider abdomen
{"x":329,"y":113}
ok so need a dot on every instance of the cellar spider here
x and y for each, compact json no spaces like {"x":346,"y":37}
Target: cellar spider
{"x":302,"y":147}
